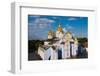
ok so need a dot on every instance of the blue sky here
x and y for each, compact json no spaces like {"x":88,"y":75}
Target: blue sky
{"x":39,"y":25}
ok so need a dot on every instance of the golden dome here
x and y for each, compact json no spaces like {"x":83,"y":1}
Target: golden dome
{"x":68,"y":32}
{"x":68,"y":35}
{"x":59,"y":28}
{"x":50,"y":32}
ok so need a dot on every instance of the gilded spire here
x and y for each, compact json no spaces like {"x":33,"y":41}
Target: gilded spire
{"x":59,"y":25}
{"x":59,"y":28}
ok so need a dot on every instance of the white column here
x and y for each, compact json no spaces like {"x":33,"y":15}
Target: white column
{"x":74,"y":49}
{"x":47,"y":53}
{"x":67,"y":51}
{"x":54,"y":55}
{"x":63,"y":52}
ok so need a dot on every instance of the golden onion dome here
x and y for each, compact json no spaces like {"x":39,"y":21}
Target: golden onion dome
{"x":68,"y":32}
{"x":50,"y":32}
{"x":59,"y":28}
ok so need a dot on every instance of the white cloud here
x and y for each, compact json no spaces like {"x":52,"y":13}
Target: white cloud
{"x":37,"y":25}
{"x":69,"y":27}
{"x":42,"y":22}
{"x":72,"y":18}
{"x":55,"y":17}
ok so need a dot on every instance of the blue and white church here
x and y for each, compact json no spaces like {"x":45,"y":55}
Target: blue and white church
{"x":59,"y":45}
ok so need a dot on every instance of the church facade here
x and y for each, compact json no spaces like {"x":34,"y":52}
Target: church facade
{"x":60,"y":45}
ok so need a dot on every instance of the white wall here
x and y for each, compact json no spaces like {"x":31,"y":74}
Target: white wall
{"x":5,"y":36}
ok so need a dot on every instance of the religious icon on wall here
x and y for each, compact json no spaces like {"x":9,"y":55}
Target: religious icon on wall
{"x":57,"y":37}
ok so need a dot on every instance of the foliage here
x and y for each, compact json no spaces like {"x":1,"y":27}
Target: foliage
{"x":34,"y":44}
{"x":82,"y":41}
